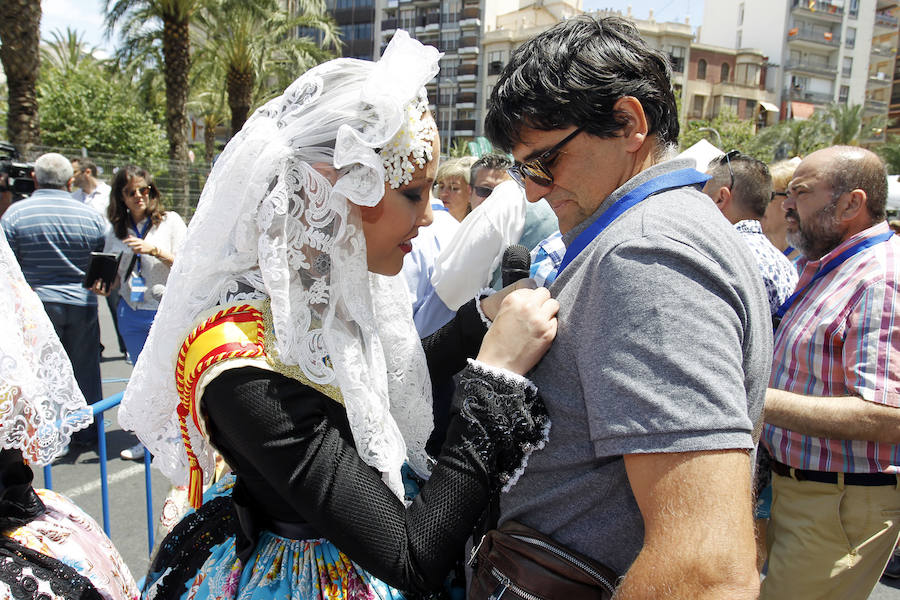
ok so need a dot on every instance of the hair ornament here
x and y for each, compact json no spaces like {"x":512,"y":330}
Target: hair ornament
{"x":413,"y":140}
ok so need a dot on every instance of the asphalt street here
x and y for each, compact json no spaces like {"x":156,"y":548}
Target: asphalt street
{"x":77,"y":475}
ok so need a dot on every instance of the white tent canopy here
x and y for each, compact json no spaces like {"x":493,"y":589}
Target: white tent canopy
{"x":702,"y":152}
{"x":893,"y":199}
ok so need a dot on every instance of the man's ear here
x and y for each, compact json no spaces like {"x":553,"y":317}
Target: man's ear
{"x":852,"y":205}
{"x":636,"y":128}
{"x":722,"y":197}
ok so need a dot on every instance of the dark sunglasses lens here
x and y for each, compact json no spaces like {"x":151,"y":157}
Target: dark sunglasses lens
{"x":483,"y":192}
{"x":536,"y":175}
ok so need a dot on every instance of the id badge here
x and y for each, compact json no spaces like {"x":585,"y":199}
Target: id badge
{"x":138,"y":287}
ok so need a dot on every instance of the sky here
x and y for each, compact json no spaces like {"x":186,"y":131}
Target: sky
{"x":86,"y":16}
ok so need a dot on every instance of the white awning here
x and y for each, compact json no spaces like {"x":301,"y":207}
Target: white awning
{"x":768,"y":106}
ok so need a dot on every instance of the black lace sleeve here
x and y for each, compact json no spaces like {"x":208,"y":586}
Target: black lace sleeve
{"x":292,"y":447}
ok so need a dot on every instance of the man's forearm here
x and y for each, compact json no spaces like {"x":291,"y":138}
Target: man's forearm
{"x":834,"y":417}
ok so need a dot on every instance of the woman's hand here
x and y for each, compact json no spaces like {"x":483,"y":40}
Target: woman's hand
{"x":490,"y":305}
{"x":139,"y":246}
{"x":522,"y":332}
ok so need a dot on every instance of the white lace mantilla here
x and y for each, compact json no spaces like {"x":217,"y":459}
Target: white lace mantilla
{"x":270,"y":225}
{"x":40,"y":403}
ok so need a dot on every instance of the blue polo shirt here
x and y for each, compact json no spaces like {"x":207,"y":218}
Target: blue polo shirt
{"x":52,"y":236}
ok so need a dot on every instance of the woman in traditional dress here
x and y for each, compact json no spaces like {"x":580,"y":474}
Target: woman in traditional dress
{"x":285,"y":342}
{"x":49,"y":548}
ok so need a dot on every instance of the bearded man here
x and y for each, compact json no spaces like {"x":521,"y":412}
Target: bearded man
{"x":832,"y":418}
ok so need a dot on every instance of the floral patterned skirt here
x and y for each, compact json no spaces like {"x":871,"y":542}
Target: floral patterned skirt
{"x":66,"y":533}
{"x":279,"y":568}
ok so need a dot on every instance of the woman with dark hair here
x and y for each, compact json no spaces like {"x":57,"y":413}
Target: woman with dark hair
{"x":148,"y":238}
{"x":286,"y":343}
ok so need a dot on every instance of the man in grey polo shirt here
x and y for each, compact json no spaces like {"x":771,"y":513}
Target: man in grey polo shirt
{"x":52,"y":236}
{"x":656,"y":379}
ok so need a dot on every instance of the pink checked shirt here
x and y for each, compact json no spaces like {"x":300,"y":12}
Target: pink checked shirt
{"x":841,"y":338}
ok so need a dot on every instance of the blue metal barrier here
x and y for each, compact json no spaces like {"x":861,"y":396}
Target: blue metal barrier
{"x":98,"y":409}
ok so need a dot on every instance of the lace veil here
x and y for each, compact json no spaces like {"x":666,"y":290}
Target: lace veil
{"x":40,"y":402}
{"x":269,"y":225}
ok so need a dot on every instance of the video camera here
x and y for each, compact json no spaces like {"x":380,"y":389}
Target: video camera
{"x":15,"y":175}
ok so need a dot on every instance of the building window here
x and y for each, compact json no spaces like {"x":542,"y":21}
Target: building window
{"x":740,"y":14}
{"x":701,"y":69}
{"x":853,"y":8}
{"x":844,"y":94}
{"x":850,"y":37}
{"x":449,"y":68}
{"x":725,"y":72}
{"x":738,"y":40}
{"x":847,"y":66}
{"x":408,"y":19}
{"x":732,"y":104}
{"x":676,"y":57}
{"x":496,"y":60}
{"x":697,"y":109}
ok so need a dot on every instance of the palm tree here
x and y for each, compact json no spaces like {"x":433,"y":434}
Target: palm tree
{"x":845,"y":122}
{"x":67,"y":52}
{"x":20,"y":24}
{"x":145,"y":23}
{"x":254,"y":45}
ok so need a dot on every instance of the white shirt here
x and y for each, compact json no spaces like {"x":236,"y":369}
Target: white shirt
{"x":98,"y":199}
{"x":466,"y":265}
{"x":429,"y":312}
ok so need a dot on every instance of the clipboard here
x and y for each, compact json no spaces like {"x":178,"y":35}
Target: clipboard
{"x":103,"y":265}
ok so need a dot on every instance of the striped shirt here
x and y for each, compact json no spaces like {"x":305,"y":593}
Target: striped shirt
{"x":841,"y":338}
{"x":52,"y":236}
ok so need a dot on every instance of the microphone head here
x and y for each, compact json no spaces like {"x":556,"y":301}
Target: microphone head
{"x":516,"y":264}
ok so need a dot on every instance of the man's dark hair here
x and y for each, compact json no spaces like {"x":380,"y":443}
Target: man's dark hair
{"x":855,"y":168}
{"x":86,"y":163}
{"x":572,"y":75}
{"x":752,"y":189}
{"x":493,"y":162}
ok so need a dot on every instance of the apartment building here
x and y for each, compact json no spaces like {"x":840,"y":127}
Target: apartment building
{"x":724,"y":78}
{"x":820,"y":52}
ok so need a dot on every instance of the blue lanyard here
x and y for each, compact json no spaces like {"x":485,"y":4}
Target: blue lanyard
{"x":437,"y":206}
{"x":140,"y":234}
{"x":787,"y":251}
{"x":667,"y":181}
{"x":830,"y":266}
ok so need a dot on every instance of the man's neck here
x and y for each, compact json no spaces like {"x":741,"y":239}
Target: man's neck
{"x":90,"y":184}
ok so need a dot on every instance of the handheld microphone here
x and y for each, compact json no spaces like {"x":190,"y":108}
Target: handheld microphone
{"x":516,"y":264}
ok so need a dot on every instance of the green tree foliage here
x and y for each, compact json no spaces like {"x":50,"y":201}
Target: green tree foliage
{"x":249,"y":44}
{"x":736,"y":133}
{"x":84,"y":104}
{"x":890,"y":153}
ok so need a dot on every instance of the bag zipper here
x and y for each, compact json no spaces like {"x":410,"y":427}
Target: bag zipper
{"x":566,"y":556}
{"x":506,"y":584}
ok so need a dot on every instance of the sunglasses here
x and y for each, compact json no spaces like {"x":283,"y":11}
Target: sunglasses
{"x":777,"y":195}
{"x":482,"y":191}
{"x":726,"y":160}
{"x":141,"y":191}
{"x":538,"y":169}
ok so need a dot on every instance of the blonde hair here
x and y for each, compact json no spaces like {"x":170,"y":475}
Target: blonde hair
{"x":455,"y":167}
{"x":782,"y":172}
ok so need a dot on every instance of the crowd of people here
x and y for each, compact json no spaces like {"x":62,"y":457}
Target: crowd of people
{"x":693,"y":386}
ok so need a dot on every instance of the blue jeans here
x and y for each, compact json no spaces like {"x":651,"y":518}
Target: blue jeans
{"x":134,"y":325}
{"x":78,"y":329}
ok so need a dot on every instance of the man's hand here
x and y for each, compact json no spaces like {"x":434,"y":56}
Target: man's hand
{"x":698,"y":527}
{"x":490,"y":305}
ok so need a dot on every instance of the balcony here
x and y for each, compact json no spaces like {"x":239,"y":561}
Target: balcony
{"x":885,"y":21}
{"x":468,"y":72}
{"x":468,"y":45}
{"x":879,"y":79}
{"x":471,"y":17}
{"x":812,"y":37}
{"x":877,"y":106}
{"x":466,"y":100}
{"x":825,"y":11}
{"x":801,"y":95}
{"x":464,"y":127}
{"x":813,"y":68}
{"x":388,"y":26}
{"x":433,"y":22}
{"x":883,"y":50}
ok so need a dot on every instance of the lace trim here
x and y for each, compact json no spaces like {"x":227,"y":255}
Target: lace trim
{"x":504,"y":375}
{"x":481,"y":295}
{"x":24,"y":570}
{"x":292,"y":371}
{"x":528,"y":449}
